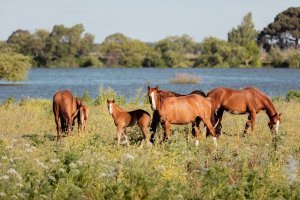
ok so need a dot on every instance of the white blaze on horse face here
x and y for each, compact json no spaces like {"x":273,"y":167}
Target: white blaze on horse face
{"x":277,"y":126}
{"x":153,"y":101}
{"x":110,"y":109}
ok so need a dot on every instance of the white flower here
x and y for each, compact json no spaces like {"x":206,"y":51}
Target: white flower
{"x":79,"y":162}
{"x":72,"y":165}
{"x":15,"y":173}
{"x":4,"y":177}
{"x":52,"y":178}
{"x":62,"y":170}
{"x":4,"y":158}
{"x":54,"y":161}
{"x":2,"y":194}
{"x":128,"y":156}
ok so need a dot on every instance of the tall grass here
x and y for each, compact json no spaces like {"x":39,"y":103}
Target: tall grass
{"x":91,"y":166}
{"x":184,"y":78}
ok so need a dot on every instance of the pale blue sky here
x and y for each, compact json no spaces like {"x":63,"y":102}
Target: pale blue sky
{"x":148,"y":21}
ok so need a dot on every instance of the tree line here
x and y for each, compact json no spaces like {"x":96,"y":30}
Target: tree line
{"x":276,"y":45}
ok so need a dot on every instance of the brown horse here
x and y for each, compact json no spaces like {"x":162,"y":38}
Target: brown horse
{"x":248,"y":100}
{"x":166,"y":94}
{"x":82,"y":116}
{"x":64,"y":108}
{"x":123,"y":119}
{"x":183,"y":110}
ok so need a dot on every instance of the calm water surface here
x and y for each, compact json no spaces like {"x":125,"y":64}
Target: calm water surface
{"x":42,"y":83}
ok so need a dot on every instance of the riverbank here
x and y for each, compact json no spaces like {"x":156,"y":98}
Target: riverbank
{"x":92,"y":166}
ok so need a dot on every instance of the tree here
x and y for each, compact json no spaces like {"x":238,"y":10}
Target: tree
{"x":119,"y":50}
{"x":244,"y":33}
{"x":21,"y":38}
{"x":14,"y":66}
{"x":284,"y":31}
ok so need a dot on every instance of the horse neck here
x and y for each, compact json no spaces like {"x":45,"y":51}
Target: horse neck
{"x":270,"y":109}
{"x":116,"y":110}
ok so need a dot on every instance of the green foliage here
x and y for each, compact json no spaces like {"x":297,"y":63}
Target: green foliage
{"x":293,"y":59}
{"x":90,"y":61}
{"x":244,"y":33}
{"x":14,"y":66}
{"x":286,"y":22}
{"x":293,"y":95}
{"x":108,"y":93}
{"x":184,"y":78}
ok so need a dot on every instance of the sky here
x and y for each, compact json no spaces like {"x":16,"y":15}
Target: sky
{"x":146,"y":20}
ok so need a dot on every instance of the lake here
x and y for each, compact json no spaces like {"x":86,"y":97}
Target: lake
{"x":43,"y":82}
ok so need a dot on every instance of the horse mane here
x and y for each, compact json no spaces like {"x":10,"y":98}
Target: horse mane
{"x":270,"y":108}
{"x":171,"y":93}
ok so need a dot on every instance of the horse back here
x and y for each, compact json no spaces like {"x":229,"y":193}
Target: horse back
{"x":64,"y":104}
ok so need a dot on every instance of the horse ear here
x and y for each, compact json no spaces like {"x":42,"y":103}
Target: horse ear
{"x":148,"y":87}
{"x":107,"y":101}
{"x":156,"y":88}
{"x":279,"y":114}
{"x":113,"y":100}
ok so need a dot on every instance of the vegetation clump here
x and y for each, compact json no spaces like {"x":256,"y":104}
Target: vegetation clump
{"x":184,"y":78}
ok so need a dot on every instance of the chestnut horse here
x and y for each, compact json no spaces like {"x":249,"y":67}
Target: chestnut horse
{"x":183,"y":110}
{"x":248,"y":100}
{"x":165,"y":94}
{"x":65,"y":110}
{"x":123,"y":119}
{"x":82,"y":116}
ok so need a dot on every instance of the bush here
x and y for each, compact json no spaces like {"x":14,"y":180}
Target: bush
{"x":14,"y":66}
{"x":108,"y":93}
{"x":293,"y":59}
{"x":90,"y":61}
{"x":184,"y":78}
{"x":293,"y":95}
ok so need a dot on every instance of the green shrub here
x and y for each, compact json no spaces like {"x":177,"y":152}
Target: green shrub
{"x":293,"y":95}
{"x":293,"y":59}
{"x":108,"y":93}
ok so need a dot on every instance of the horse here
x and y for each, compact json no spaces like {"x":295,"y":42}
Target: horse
{"x":65,"y":109}
{"x":82,"y":116}
{"x":183,"y":110}
{"x":248,"y":100}
{"x":123,"y":119}
{"x":165,"y":94}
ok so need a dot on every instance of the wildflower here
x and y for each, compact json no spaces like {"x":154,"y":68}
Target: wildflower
{"x":2,"y":194}
{"x":79,"y":162}
{"x":4,"y":177}
{"x":54,"y":161}
{"x":61,"y":170}
{"x":128,"y":156}
{"x":161,"y":167}
{"x":52,"y":178}
{"x":72,"y":165}
{"x":4,"y":158}
{"x":14,"y":172}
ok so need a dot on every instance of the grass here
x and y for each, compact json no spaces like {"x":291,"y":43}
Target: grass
{"x":184,"y":78}
{"x":91,"y":166}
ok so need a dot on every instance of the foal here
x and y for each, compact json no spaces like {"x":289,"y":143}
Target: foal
{"x":123,"y":119}
{"x":82,"y":117}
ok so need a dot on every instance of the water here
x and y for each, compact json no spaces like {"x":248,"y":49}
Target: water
{"x":42,"y":83}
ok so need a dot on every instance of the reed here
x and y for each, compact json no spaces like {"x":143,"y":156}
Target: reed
{"x":184,"y":78}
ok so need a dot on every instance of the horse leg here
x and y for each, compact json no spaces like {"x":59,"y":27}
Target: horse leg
{"x":250,"y":122}
{"x":58,"y":127}
{"x":119,"y":132}
{"x":167,"y":127}
{"x":126,"y":136}
{"x":154,"y":123}
{"x":70,"y":125}
{"x":196,"y":129}
{"x":211,"y":129}
{"x":144,"y":128}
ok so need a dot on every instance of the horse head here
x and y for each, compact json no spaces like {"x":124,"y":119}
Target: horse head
{"x":110,"y":104}
{"x":153,"y":96}
{"x":275,"y":120}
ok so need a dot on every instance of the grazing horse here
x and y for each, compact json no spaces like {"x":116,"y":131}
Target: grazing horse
{"x":248,"y":100}
{"x":123,"y":119}
{"x":82,"y":116}
{"x":183,"y":110}
{"x":166,"y":94}
{"x":64,"y":108}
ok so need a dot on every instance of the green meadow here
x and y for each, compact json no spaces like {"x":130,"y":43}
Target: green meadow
{"x":91,"y":165}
